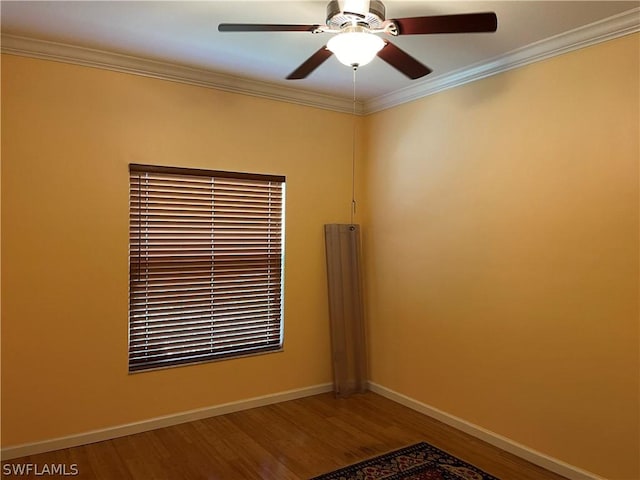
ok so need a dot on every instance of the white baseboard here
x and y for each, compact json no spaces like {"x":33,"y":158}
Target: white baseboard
{"x":522,"y":451}
{"x":504,"y":443}
{"x":159,"y":422}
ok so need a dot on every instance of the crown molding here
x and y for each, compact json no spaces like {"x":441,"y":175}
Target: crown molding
{"x":616,"y":26}
{"x":88,"y":57}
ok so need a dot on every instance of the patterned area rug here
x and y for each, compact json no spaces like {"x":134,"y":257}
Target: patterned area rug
{"x":417,"y":462}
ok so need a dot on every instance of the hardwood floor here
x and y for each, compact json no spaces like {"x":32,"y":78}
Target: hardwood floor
{"x":292,"y":440}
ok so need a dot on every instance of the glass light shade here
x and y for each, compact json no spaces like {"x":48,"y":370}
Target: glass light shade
{"x":355,"y":48}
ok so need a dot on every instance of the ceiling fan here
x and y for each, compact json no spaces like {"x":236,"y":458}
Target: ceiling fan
{"x":356,"y":24}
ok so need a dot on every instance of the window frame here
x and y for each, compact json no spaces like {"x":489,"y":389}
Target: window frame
{"x":272,"y":222}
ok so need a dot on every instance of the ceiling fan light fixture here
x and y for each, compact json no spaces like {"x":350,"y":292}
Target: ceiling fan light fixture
{"x":355,"y":47}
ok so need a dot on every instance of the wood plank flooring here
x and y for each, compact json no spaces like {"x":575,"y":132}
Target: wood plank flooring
{"x":292,"y":440}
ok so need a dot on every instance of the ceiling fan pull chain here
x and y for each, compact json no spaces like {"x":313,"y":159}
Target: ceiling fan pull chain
{"x":353,"y":149}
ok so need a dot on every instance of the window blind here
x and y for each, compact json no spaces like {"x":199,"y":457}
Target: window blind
{"x":205,"y":265}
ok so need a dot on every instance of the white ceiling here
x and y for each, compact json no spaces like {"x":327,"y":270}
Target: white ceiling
{"x":185,"y":33}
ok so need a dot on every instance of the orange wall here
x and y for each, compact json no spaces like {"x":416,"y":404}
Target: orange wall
{"x":68,"y":135}
{"x":500,"y":240}
{"x":501,"y":250}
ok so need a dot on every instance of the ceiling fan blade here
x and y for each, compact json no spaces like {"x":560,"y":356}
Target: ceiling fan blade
{"x":402,"y":61}
{"x":313,"y":62}
{"x":462,"y":23}
{"x":264,"y":27}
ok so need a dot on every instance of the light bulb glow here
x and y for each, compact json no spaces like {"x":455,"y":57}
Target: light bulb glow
{"x":355,"y":48}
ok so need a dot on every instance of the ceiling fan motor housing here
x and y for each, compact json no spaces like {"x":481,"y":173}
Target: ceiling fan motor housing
{"x":374,"y":18}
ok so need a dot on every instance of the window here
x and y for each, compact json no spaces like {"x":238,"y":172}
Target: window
{"x":205,"y":265}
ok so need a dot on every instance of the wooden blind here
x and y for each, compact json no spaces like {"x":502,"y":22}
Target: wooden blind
{"x":205,"y":265}
{"x":346,"y":312}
